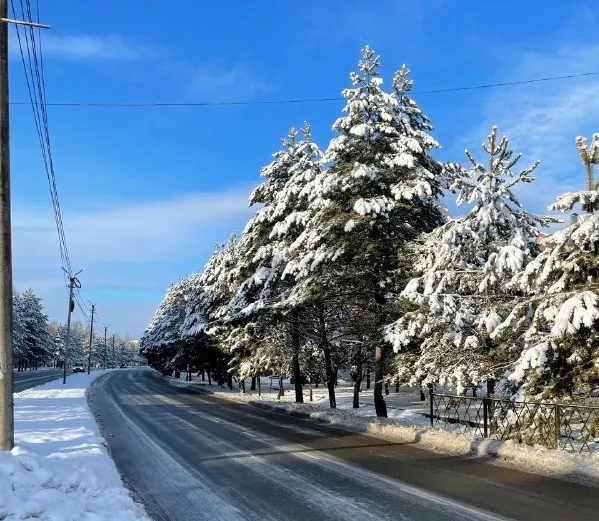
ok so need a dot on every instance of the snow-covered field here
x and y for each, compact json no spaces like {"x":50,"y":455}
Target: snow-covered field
{"x":59,"y":469}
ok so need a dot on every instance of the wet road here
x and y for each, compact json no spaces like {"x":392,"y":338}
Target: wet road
{"x":27,"y":379}
{"x":186,"y":454}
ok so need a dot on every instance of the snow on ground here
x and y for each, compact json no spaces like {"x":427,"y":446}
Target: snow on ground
{"x":404,"y":407}
{"x":59,"y":469}
{"x":407,"y":423}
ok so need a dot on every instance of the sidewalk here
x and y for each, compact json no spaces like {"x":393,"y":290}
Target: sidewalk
{"x":59,"y":469}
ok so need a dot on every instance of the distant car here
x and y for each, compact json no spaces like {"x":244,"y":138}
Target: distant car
{"x":123,"y":366}
{"x":78,"y":369}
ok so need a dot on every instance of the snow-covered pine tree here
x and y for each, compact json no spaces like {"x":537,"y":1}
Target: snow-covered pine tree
{"x":37,"y":335}
{"x":557,"y":323}
{"x":204,"y":326}
{"x":460,"y":297}
{"x":263,"y":292}
{"x":19,"y":332}
{"x":379,"y":192}
{"x":213,"y":289}
{"x":32,"y":342}
{"x":163,"y":340}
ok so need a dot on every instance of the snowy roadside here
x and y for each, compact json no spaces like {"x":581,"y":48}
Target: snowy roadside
{"x":59,"y":469}
{"x":407,"y":424}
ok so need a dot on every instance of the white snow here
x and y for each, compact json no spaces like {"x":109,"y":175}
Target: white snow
{"x":59,"y":469}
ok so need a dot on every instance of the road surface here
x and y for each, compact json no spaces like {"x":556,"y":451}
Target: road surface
{"x":26,"y":379}
{"x":187,"y":455}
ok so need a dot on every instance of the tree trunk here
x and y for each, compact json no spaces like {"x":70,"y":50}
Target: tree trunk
{"x":242,"y":384}
{"x":368,"y":379}
{"x":328,"y":361}
{"x":253,"y":384}
{"x":259,"y":384}
{"x":330,"y":376}
{"x":230,"y":381}
{"x":379,"y":402}
{"x":203,"y":375}
{"x":297,"y":374}
{"x":209,"y":377}
{"x":358,"y":382}
{"x":490,"y":387}
{"x":281,"y":386}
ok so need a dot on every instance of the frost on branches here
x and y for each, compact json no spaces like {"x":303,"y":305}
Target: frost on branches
{"x":556,"y":323}
{"x":459,"y":299}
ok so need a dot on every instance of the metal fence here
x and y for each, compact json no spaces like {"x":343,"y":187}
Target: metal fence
{"x":557,"y":426}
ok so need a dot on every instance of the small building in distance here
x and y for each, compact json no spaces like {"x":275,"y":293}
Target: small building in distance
{"x":542,"y":237}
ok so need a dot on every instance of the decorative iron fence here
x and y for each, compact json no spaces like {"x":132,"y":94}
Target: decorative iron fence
{"x":557,"y":426}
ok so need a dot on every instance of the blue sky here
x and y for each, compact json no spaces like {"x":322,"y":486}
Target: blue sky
{"x":146,"y":192}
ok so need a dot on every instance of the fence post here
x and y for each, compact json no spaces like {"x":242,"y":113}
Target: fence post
{"x":430,"y":401}
{"x":556,"y":413}
{"x":486,"y":417}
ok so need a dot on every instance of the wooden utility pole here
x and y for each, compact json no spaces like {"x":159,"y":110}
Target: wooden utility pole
{"x":73,"y":283}
{"x":113,"y":348}
{"x":105,"y":333}
{"x":7,"y":436}
{"x":91,"y":336}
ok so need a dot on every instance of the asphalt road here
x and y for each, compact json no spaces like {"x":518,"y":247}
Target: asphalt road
{"x":26,"y":379}
{"x":188,"y":455}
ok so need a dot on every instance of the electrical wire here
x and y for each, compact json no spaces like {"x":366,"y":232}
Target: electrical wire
{"x":31,"y":57}
{"x":108,"y":104}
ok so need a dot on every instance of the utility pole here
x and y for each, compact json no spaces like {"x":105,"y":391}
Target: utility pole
{"x":91,"y":336}
{"x":7,"y":425}
{"x":105,"y":333}
{"x":113,"y":348}
{"x":73,"y":283}
{"x":6,"y":377}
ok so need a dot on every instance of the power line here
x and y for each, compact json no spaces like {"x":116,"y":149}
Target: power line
{"x":34,"y":76}
{"x":99,"y":104}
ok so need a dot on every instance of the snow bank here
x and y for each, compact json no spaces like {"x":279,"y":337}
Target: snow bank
{"x":59,"y":469}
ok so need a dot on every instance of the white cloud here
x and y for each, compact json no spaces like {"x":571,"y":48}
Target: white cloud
{"x":95,"y":47}
{"x":216,"y":78}
{"x":129,"y":253}
{"x":543,"y":119}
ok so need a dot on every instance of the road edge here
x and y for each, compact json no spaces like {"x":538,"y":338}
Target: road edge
{"x":571,"y":467}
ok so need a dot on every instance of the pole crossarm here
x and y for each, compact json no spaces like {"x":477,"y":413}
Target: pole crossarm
{"x":23,"y":22}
